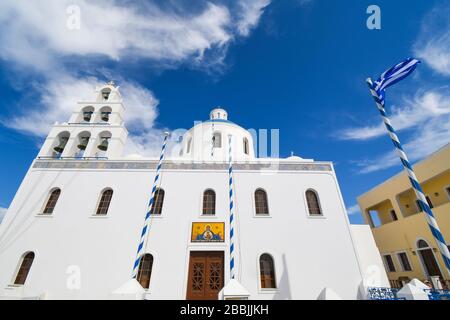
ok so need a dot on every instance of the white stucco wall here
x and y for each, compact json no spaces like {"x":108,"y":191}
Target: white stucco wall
{"x":372,"y":266}
{"x":310,"y":253}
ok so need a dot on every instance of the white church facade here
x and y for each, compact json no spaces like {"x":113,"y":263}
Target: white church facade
{"x":73,"y":227}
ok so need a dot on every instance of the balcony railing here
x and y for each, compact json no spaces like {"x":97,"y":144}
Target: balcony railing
{"x":434,"y":294}
{"x":378,"y":293}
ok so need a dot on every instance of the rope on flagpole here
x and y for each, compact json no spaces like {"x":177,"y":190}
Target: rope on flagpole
{"x":412,"y":178}
{"x":149,"y":210}
{"x":231,"y":194}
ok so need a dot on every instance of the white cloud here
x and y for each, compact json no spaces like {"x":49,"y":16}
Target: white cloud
{"x":249,"y":14}
{"x":424,"y":107}
{"x":2,"y":213}
{"x":433,"y":44}
{"x":58,"y":99}
{"x":426,"y":122}
{"x":34,"y":32}
{"x":109,"y":28}
{"x":353,"y":209}
{"x":429,"y":137}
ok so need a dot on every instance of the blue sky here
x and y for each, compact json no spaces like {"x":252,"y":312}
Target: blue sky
{"x":298,"y":66}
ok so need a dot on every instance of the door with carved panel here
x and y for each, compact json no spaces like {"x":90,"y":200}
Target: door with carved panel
{"x":205,"y":278}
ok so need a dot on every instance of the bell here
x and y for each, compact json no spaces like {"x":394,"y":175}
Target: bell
{"x":104,"y":145}
{"x":105,"y":95}
{"x":105,"y":116}
{"x":62,"y":143}
{"x":83,"y":143}
{"x":87,"y":116}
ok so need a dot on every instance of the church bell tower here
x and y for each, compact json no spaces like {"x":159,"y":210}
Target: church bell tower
{"x":95,"y":129}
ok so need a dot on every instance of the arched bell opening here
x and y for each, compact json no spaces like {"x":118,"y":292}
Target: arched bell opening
{"x":105,"y":94}
{"x":82,"y":143}
{"x":86,"y":114}
{"x":103,"y":143}
{"x":105,"y":114}
{"x":60,"y":144}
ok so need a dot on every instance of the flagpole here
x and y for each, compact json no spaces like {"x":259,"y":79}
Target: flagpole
{"x":231,"y":198}
{"x":432,"y":223}
{"x":149,"y":210}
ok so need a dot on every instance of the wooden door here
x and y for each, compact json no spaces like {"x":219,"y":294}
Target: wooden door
{"x":205,"y":278}
{"x":430,"y":262}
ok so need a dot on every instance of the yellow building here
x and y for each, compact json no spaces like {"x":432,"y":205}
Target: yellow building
{"x":401,"y":232}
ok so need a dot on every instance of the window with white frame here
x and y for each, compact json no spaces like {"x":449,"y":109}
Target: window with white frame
{"x":105,"y":201}
{"x":312,"y":199}
{"x":404,"y":261}
{"x":51,"y":202}
{"x":261,"y":204}
{"x":24,"y":269}
{"x":145,"y":270}
{"x":389,"y":263}
{"x":267,"y":272}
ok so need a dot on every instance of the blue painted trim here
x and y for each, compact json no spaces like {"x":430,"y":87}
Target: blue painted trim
{"x":219,"y":120}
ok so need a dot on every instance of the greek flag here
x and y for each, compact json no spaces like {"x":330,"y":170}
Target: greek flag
{"x":394,"y":75}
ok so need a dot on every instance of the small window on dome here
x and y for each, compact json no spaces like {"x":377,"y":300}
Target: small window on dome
{"x":188,"y":149}
{"x":217,"y":140}
{"x":245,"y":145}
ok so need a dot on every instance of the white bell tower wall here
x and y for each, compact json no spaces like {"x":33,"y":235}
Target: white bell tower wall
{"x":95,"y":129}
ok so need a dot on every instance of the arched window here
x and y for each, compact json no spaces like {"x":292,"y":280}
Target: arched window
{"x":24,"y":268}
{"x":427,"y":258}
{"x":188,"y":148}
{"x":313,"y":203}
{"x":209,"y":202}
{"x":422,"y":244}
{"x":245,"y":145}
{"x":261,"y":205}
{"x":217,"y":140}
{"x":267,"y":272}
{"x":145,"y":270}
{"x":158,"y":202}
{"x":51,"y":202}
{"x":105,"y":200}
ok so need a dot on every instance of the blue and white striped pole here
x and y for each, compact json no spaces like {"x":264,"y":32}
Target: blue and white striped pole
{"x":412,"y":177}
{"x":231,"y":193}
{"x":149,"y":210}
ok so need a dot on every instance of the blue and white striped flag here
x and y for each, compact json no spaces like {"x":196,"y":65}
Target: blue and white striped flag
{"x":394,"y":75}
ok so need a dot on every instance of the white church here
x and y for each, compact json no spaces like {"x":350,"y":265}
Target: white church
{"x":73,"y":228}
